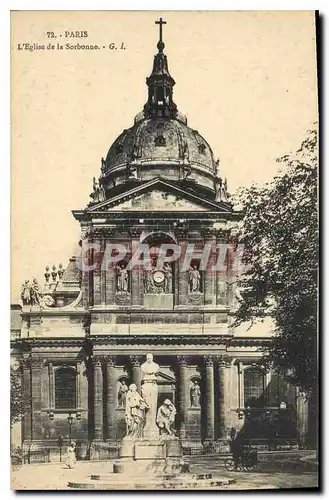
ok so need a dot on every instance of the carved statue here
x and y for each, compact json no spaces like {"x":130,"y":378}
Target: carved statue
{"x":194,"y":280}
{"x":31,"y":295}
{"x":122,"y":279}
{"x":150,"y":395}
{"x":98,"y":193}
{"x":60,"y":271}
{"x":195,"y":393}
{"x":122,"y":393}
{"x":54,"y":273}
{"x":35,"y":293}
{"x":135,"y":412}
{"x":47,"y":274}
{"x":166,"y":418}
{"x":217,"y":167}
{"x":221,"y":189}
{"x":148,"y":282}
{"x":25,"y":293}
{"x":132,"y":172}
{"x":185,"y":153}
{"x":168,"y":274}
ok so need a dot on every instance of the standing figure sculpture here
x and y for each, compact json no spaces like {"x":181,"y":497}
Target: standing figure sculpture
{"x":135,"y":412}
{"x":195,"y":393}
{"x":150,"y":394}
{"x":166,"y":418}
{"x":122,"y":393}
{"x":195,"y":280}
{"x":168,"y":273}
{"x":35,"y":293}
{"x":122,"y":279}
{"x":25,"y":293}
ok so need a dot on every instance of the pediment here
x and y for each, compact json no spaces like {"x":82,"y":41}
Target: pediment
{"x":157,"y":195}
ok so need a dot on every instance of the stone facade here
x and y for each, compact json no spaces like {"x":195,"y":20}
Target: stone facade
{"x":84,"y":336}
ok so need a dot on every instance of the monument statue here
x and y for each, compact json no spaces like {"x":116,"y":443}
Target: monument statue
{"x":122,"y":393}
{"x":150,"y":395}
{"x":135,"y":412}
{"x":195,"y":393}
{"x":166,"y":418}
{"x":195,"y":280}
{"x":122,"y":279}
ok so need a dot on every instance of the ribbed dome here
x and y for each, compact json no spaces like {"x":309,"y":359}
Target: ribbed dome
{"x":160,"y":147}
{"x":159,"y":144}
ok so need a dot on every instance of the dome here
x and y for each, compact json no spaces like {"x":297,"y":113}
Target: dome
{"x":159,"y":144}
{"x":162,"y":147}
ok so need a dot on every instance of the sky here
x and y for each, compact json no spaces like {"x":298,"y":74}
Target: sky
{"x":245,"y":80}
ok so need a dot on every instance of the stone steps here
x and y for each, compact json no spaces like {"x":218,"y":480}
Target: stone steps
{"x":124,"y":482}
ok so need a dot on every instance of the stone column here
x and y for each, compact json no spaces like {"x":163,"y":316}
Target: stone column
{"x":210,"y":273}
{"x":111,"y":396}
{"x":183,"y":402}
{"x":224,"y":366}
{"x":209,"y":398}
{"x":98,"y":398}
{"x":51,"y":385}
{"x":137,"y":273}
{"x":182,"y":275}
{"x":36,"y":366}
{"x":27,"y":400}
{"x":136,"y":370}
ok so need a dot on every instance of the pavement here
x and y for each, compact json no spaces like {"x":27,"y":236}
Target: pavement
{"x":279,"y":472}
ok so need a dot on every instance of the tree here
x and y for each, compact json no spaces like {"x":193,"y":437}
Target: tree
{"x":280,"y":233}
{"x":16,"y":405}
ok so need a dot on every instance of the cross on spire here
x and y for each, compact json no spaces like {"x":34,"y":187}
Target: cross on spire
{"x":160,"y":23}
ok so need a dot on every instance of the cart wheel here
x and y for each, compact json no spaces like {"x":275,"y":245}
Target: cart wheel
{"x":229,"y":464}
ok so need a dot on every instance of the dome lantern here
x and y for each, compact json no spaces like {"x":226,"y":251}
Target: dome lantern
{"x":160,"y":84}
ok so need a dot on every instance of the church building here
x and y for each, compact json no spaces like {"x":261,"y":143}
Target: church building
{"x":81,"y":337}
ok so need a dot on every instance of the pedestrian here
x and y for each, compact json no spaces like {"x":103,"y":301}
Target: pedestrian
{"x":236,"y":445}
{"x":71,"y":458}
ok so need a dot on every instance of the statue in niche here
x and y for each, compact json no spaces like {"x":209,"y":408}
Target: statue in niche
{"x":168,"y":277}
{"x":194,"y":280}
{"x":122,"y":393}
{"x":166,"y":418}
{"x":135,"y":412}
{"x":195,"y":394}
{"x":122,"y":279}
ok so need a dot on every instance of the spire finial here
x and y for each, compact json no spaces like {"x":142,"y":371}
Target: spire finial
{"x":160,"y":44}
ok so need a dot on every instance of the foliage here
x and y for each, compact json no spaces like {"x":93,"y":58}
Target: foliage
{"x":280,"y":234}
{"x":16,"y":406}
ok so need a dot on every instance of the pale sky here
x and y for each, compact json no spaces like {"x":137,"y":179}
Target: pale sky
{"x":245,"y":80}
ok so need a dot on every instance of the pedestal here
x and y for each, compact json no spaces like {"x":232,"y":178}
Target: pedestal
{"x":150,"y":394}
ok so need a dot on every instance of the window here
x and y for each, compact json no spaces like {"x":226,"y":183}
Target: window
{"x":65,"y":388}
{"x":253,"y":388}
{"x":202,"y":149}
{"x":160,"y":140}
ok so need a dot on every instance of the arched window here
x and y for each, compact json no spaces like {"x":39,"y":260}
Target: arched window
{"x":254,"y":388}
{"x":65,"y":388}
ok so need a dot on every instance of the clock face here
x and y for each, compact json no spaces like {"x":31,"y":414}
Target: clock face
{"x":158,"y":277}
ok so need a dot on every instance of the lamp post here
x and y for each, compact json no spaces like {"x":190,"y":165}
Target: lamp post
{"x":70,"y":421}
